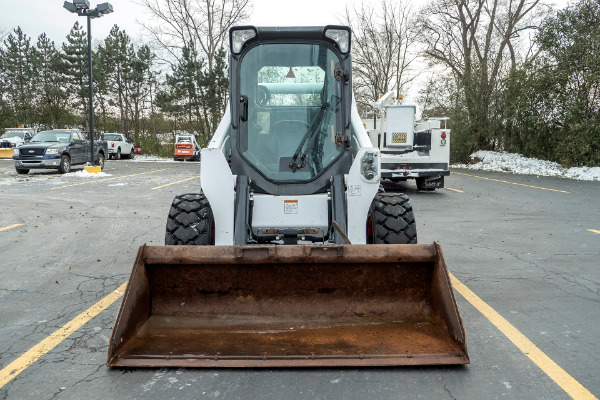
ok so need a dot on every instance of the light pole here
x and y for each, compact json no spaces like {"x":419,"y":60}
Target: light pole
{"x":82,"y":8}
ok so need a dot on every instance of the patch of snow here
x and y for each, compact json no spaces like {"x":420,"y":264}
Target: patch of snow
{"x":84,"y":174}
{"x":518,"y":164}
{"x":141,"y":158}
{"x":412,"y":154}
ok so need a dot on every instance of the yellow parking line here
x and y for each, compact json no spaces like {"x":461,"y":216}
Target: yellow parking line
{"x":32,"y":355}
{"x":10,"y":227}
{"x":553,"y":370}
{"x":173,"y":183}
{"x":454,"y":190}
{"x":106,"y":179}
{"x":591,"y":230}
{"x":513,"y":183}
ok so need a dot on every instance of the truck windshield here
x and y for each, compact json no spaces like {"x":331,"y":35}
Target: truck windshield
{"x":294,"y":110}
{"x":49,"y":136}
{"x":7,"y":135}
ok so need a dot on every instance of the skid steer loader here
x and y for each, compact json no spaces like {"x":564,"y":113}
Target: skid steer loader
{"x":290,"y":255}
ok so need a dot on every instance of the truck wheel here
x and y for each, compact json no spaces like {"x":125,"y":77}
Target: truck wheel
{"x":22,"y":171}
{"x":190,"y":221}
{"x":132,"y":154}
{"x":118,"y":155}
{"x":100,"y":160}
{"x":65,"y":164}
{"x":391,"y":220}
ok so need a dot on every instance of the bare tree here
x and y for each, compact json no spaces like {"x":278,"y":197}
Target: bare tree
{"x":383,"y":48}
{"x":479,"y":41}
{"x":201,"y":23}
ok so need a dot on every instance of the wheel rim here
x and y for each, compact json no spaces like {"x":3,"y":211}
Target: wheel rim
{"x":66,"y":164}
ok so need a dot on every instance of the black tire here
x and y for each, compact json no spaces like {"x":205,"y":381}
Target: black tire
{"x":100,"y":161}
{"x":132,"y":154}
{"x":22,"y":171}
{"x":391,"y":220}
{"x":118,"y":155}
{"x":190,"y":221}
{"x":65,"y":164}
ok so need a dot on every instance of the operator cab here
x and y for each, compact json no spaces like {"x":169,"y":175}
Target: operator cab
{"x":290,"y":125}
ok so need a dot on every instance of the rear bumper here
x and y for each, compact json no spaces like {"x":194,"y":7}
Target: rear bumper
{"x":413,"y":173}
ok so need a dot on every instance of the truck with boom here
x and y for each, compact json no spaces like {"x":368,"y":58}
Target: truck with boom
{"x":410,"y":149}
{"x":291,"y":255}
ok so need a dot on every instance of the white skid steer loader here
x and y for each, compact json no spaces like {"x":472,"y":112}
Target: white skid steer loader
{"x":290,"y":255}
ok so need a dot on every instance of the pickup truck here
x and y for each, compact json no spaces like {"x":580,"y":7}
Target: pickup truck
{"x":57,"y":149}
{"x":14,"y":137}
{"x":118,"y":145}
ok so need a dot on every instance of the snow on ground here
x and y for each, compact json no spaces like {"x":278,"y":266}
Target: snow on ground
{"x":144,"y":158}
{"x":518,"y":164}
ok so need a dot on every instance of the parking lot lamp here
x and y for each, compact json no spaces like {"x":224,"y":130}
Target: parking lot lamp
{"x":82,"y":8}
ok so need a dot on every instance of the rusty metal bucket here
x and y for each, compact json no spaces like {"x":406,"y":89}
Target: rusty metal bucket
{"x":288,"y":306}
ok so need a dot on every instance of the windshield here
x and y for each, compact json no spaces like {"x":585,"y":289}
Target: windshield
{"x":49,"y":136}
{"x":184,"y":139}
{"x":7,"y":135}
{"x":293,"y":110}
{"x":108,"y":136}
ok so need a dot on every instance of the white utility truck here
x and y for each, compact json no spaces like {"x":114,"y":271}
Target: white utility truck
{"x":409,"y":150}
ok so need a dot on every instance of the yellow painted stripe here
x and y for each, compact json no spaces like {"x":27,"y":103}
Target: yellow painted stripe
{"x":106,"y":179}
{"x":553,"y":370}
{"x":512,"y":183}
{"x":454,"y":190}
{"x":32,"y":355}
{"x":591,"y":230}
{"x":173,"y":183}
{"x":10,"y":227}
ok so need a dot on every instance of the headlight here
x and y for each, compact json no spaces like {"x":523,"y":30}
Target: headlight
{"x":240,"y":36}
{"x":51,"y":151}
{"x":15,"y":152}
{"x":369,"y":166}
{"x":340,"y":36}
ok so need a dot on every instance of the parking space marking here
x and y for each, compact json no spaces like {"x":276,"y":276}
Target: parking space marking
{"x":107,"y":179}
{"x":454,"y":190}
{"x":15,"y":225}
{"x":553,"y":370}
{"x":593,"y":230}
{"x":32,"y":355}
{"x":173,"y":183}
{"x":512,"y":183}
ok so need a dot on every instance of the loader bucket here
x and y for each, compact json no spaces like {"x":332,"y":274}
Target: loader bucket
{"x":288,"y":306}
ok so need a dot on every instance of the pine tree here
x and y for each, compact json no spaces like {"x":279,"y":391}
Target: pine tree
{"x":19,"y":75}
{"x":51,"y":93}
{"x":113,"y":56}
{"x":74,"y":69}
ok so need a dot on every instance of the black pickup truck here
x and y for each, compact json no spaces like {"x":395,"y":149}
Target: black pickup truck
{"x":58,"y":149}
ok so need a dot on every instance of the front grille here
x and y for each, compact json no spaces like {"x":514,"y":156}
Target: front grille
{"x":32,"y":152}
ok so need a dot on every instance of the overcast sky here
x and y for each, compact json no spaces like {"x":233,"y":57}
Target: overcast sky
{"x":38,"y":16}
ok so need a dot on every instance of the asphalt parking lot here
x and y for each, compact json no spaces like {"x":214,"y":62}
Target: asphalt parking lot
{"x":524,"y":252}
